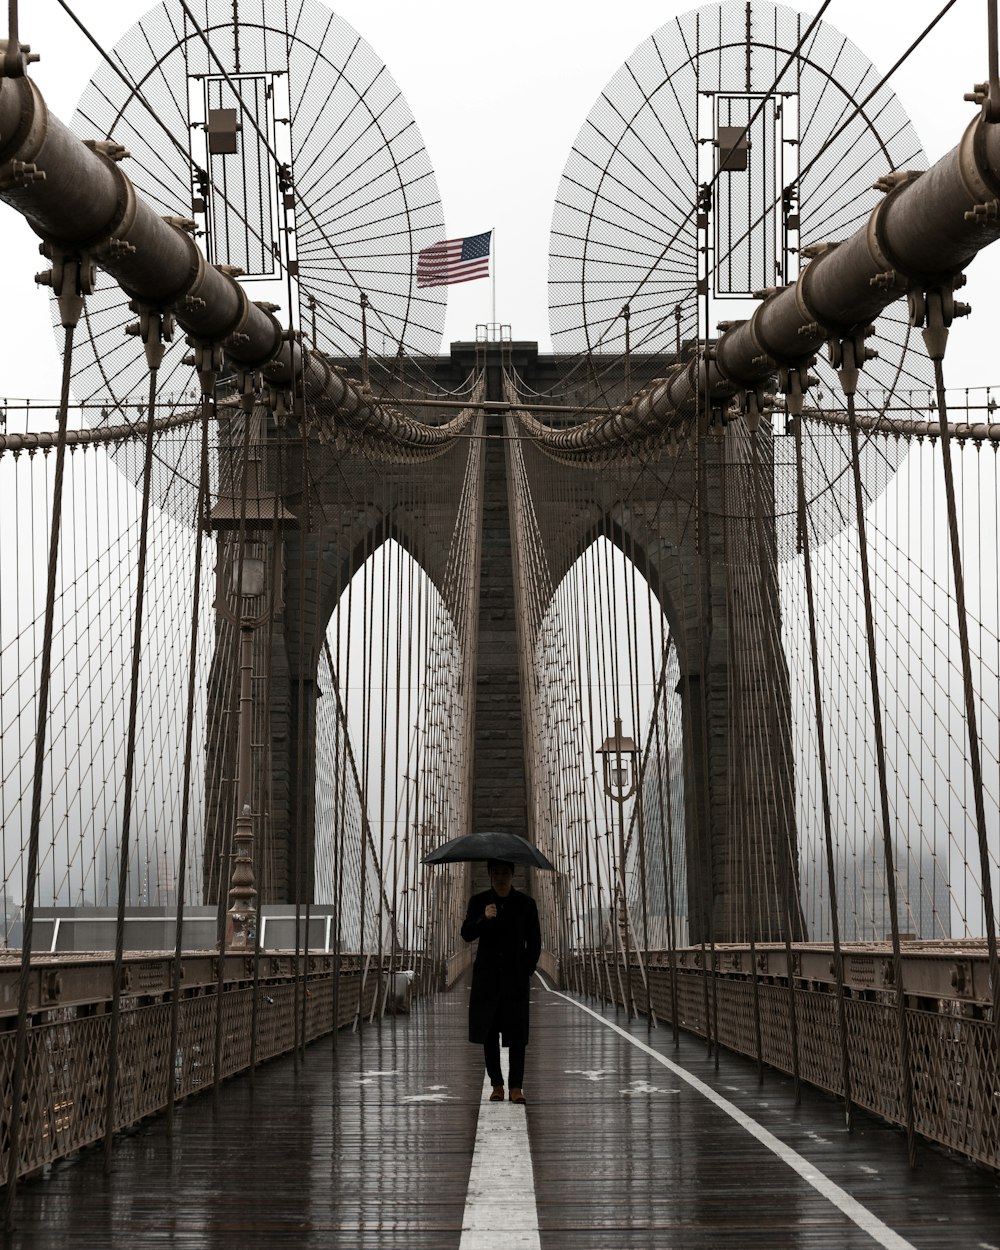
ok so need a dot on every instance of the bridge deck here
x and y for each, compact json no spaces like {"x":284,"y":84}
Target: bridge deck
{"x":371,"y":1145}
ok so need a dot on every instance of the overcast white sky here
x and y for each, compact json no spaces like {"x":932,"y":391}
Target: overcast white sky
{"x":499,"y":93}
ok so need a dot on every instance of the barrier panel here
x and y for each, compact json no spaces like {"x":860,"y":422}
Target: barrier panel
{"x":66,"y":1072}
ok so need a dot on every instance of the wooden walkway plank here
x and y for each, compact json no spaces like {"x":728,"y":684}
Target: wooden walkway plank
{"x":365,"y":1146}
{"x":371,"y":1145}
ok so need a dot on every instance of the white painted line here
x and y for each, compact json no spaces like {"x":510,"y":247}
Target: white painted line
{"x":500,"y":1210}
{"x":860,"y":1215}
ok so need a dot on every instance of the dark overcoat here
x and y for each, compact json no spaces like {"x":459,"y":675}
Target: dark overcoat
{"x":509,"y":946}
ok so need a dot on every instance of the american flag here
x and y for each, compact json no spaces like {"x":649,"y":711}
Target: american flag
{"x":454,"y":260}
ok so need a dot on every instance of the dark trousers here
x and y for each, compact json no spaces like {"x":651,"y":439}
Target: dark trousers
{"x":515,"y":1060}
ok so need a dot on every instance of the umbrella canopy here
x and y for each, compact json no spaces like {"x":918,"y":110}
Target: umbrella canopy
{"x":509,"y":846}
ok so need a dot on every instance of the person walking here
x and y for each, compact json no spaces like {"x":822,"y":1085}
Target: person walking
{"x":505,"y":922}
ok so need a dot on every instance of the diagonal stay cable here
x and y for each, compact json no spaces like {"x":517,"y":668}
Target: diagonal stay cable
{"x":879,"y":85}
{"x":858,"y":108}
{"x":132,"y":86}
{"x":142,"y":99}
{"x":157,"y":117}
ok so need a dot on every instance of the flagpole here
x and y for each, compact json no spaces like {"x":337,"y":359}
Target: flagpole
{"x":493,"y":271}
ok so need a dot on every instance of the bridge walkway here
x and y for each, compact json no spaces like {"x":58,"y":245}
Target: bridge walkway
{"x":384,"y":1140}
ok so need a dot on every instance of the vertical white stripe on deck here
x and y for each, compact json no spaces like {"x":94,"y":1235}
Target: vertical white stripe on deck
{"x":500,"y":1210}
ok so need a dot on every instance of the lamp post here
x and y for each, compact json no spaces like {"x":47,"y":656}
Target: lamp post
{"x":247,"y":583}
{"x":618,"y":755}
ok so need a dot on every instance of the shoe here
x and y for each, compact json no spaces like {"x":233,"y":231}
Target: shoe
{"x":517,"y":1095}
{"x":497,"y":1095}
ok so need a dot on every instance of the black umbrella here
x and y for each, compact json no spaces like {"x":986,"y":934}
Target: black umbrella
{"x":508,"y":846}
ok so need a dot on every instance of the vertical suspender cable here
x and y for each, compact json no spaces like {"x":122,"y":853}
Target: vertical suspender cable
{"x":225,"y":841}
{"x":387,"y":564}
{"x":415,"y":878}
{"x":765,"y":561}
{"x":975,"y":755}
{"x":849,"y":383}
{"x":304,"y":803}
{"x":689,"y":753}
{"x":624,"y":919}
{"x":31,"y":883}
{"x":345,"y":656}
{"x":572,"y":581}
{"x":400,"y":733}
{"x":838,"y":956}
{"x":584,"y":649}
{"x":199,"y":530}
{"x":339,"y":770}
{"x":736,"y":703}
{"x":344,"y":600}
{"x":704,"y":598}
{"x":632,"y":637}
{"x":264,"y":864}
{"x":154,"y":347}
{"x":305,"y":531}
{"x":421,"y":826}
{"x":659,"y":748}
{"x":367,"y":645}
{"x":616,"y":864}
{"x":669,"y":875}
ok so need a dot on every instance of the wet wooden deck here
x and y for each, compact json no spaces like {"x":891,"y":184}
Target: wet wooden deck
{"x":370,"y":1145}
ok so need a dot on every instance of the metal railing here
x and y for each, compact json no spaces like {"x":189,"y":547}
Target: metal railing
{"x":291,"y":1001}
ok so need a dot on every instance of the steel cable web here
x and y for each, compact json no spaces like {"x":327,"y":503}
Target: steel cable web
{"x":93,"y":603}
{"x":824,"y":473}
{"x":314,"y":310}
{"x":630,"y":504}
{"x":405,"y":798}
{"x":933,"y":835}
{"x":374,"y":157}
{"x":401,"y":649}
{"x":760,"y":696}
{"x":180,"y":472}
{"x":648,"y":113}
{"x":645,"y":151}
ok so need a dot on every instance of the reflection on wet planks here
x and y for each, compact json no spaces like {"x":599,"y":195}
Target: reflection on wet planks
{"x":365,"y":1147}
{"x":627,"y":1155}
{"x":371,"y":1146}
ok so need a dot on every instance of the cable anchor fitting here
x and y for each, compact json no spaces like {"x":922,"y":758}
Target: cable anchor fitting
{"x":20,"y":174}
{"x":72,"y":278}
{"x":848,"y":357}
{"x":279,"y":403}
{"x":115,"y":152}
{"x":117,"y":248}
{"x":756,"y":401}
{"x":15,"y":57}
{"x":156,"y":328}
{"x":983,"y":214}
{"x":247,"y":385}
{"x":206,"y":360}
{"x":793,"y":382}
{"x":933,"y":310}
